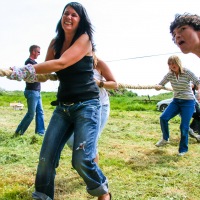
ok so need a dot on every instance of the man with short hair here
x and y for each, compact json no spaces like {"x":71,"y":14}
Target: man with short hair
{"x":185,"y":30}
{"x":34,"y":101}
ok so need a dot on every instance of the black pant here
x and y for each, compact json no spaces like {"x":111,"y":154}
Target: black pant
{"x":195,"y":124}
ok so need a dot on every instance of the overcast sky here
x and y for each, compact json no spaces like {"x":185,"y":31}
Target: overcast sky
{"x":131,"y":36}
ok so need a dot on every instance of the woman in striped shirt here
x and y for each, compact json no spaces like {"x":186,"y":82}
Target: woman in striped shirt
{"x":183,"y":102}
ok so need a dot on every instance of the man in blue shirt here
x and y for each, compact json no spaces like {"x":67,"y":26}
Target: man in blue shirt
{"x":34,"y":101}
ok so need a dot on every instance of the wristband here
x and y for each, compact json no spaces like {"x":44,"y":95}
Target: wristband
{"x":101,"y":84}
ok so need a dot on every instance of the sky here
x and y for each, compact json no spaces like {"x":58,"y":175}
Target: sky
{"x":131,"y":36}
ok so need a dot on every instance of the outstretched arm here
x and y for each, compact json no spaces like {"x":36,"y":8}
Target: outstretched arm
{"x":158,"y":87}
{"x":104,"y":70}
{"x":80,"y":48}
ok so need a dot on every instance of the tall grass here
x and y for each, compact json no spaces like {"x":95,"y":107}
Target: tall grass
{"x":135,"y":168}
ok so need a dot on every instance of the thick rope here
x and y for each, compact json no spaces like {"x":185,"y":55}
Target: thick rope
{"x":140,"y":87}
{"x":5,"y":72}
{"x":53,"y":77}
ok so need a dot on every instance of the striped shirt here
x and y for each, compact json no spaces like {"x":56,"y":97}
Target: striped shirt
{"x":181,"y":85}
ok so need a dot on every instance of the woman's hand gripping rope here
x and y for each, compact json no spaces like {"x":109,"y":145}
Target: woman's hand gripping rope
{"x":26,"y":73}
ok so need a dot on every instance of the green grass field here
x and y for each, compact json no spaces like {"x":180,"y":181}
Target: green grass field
{"x":135,"y":168}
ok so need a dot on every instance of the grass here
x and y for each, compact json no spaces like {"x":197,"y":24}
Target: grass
{"x":135,"y":168}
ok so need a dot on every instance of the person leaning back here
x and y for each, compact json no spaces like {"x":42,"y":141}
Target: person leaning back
{"x":70,"y":55}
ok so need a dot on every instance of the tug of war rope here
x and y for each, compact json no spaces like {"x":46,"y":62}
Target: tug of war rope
{"x":53,"y":77}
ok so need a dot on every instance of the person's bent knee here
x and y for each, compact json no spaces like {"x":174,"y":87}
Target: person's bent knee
{"x":163,"y":118}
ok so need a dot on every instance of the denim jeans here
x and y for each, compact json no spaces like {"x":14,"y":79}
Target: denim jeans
{"x":34,"y":104}
{"x":186,"y":109}
{"x":104,"y":114}
{"x":82,"y":119}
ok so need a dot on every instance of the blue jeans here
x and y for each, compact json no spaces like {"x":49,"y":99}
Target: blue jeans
{"x":82,"y":119}
{"x":186,"y":109}
{"x":104,"y":114}
{"x":34,"y":104}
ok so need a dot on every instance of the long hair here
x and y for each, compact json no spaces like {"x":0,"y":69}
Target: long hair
{"x":176,"y":60}
{"x":84,"y":26}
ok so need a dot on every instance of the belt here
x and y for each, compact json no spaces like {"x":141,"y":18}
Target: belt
{"x":66,"y":103}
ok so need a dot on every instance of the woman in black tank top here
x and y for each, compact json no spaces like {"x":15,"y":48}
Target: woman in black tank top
{"x":70,"y":56}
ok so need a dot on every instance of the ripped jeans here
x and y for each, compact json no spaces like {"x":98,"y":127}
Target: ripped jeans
{"x":104,"y":115}
{"x":82,"y":119}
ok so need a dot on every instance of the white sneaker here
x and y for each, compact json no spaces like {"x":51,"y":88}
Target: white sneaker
{"x":182,"y":153}
{"x":191,"y":133}
{"x":161,"y":143}
{"x":194,"y":135}
{"x":198,"y":138}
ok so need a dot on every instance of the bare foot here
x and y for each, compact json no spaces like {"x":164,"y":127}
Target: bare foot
{"x":105,"y":197}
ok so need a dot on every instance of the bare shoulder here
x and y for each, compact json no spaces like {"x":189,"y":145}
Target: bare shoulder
{"x":50,"y":52}
{"x":85,"y":36}
{"x":85,"y":42}
{"x":101,"y":65}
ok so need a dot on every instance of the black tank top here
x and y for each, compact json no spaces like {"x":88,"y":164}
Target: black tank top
{"x":77,"y":82}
